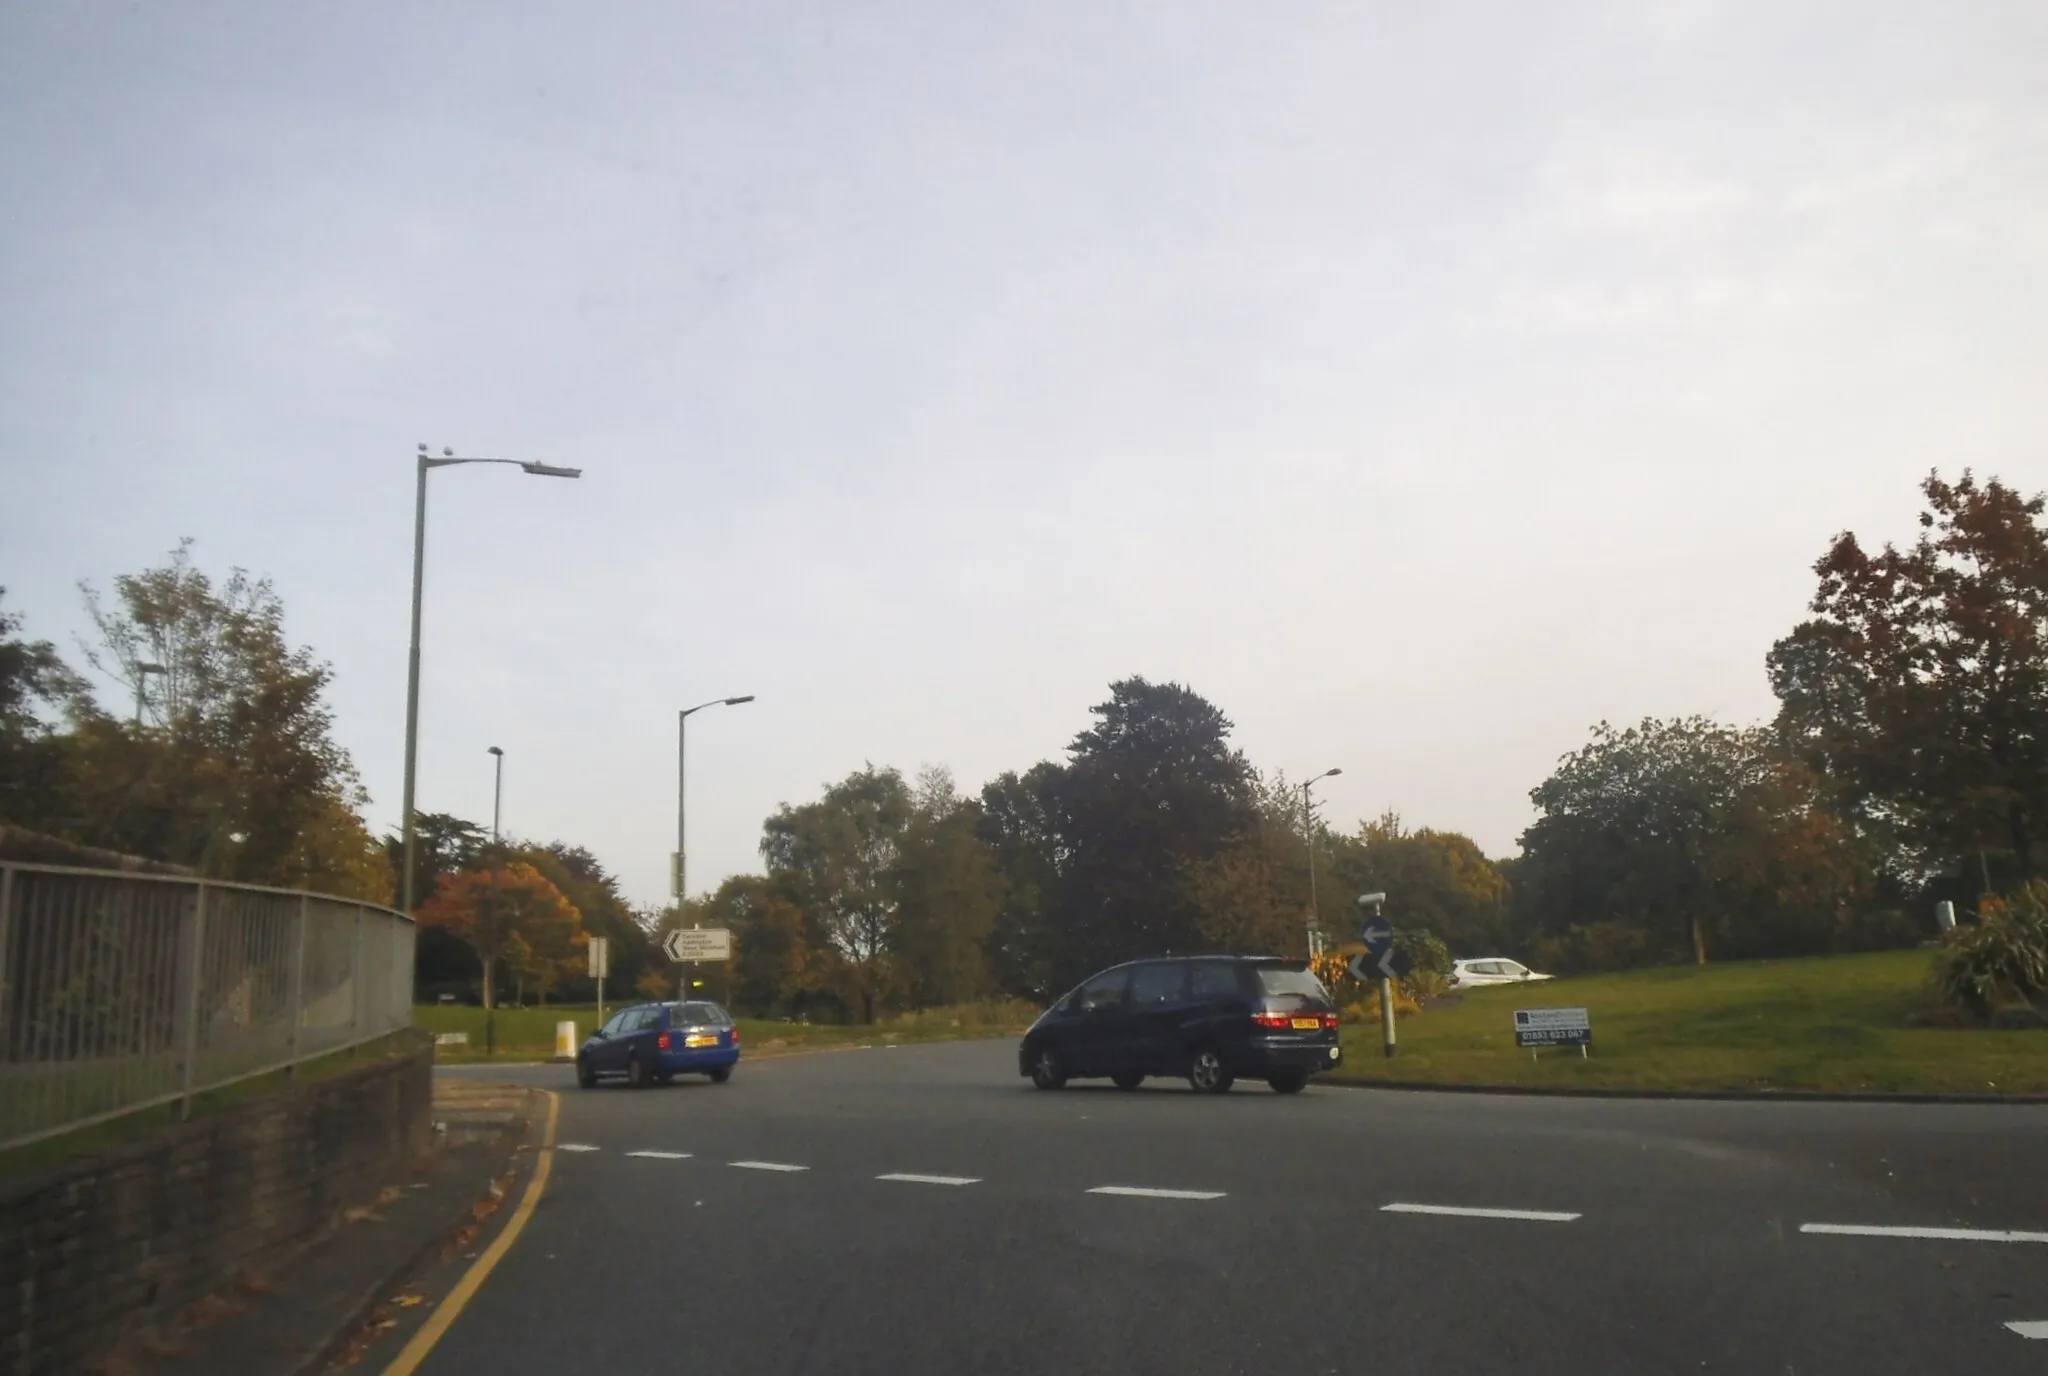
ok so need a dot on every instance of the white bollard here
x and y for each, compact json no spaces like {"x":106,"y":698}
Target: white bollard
{"x":1945,"y":915}
{"x":565,"y":1041}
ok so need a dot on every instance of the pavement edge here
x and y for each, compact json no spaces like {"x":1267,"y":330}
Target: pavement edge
{"x":322,"y":1355}
{"x":423,"y":1342}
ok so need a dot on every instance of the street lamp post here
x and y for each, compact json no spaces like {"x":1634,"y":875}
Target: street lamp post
{"x":1308,"y":822}
{"x":142,"y":673}
{"x":497,"y":793}
{"x":427,"y":463}
{"x":681,"y":885}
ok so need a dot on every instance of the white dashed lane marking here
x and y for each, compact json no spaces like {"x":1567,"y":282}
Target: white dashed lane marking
{"x":932,"y":1179}
{"x":662,"y":1155}
{"x":1940,"y":1234}
{"x":766,"y":1166}
{"x":2030,"y":1328}
{"x":1453,"y":1211}
{"x":576,"y":1146}
{"x":1139,"y":1193}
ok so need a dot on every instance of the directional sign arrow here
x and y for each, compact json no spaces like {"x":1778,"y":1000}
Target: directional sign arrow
{"x":672,"y":945}
{"x":1387,"y":964}
{"x":1378,"y":935}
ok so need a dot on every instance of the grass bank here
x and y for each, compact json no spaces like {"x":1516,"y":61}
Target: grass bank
{"x":1833,"y":1023}
{"x":526,"y":1034}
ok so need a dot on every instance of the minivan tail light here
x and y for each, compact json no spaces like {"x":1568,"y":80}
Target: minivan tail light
{"x":662,"y":1041}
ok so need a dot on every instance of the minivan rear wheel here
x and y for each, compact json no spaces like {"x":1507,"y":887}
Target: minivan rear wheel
{"x":1287,"y":1081}
{"x":1046,"y":1070}
{"x":1207,"y":1074}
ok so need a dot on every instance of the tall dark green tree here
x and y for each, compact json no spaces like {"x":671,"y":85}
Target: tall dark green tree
{"x":1153,"y":788}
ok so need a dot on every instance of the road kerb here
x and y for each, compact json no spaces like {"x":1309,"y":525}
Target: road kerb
{"x":1788,"y":1096}
{"x":450,"y":1309}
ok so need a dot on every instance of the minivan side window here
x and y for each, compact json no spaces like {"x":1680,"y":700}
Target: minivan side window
{"x":1154,"y":985}
{"x":1103,"y":992}
{"x":1209,"y":980}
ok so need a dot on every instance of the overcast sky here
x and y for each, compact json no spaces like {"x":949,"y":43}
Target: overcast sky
{"x":1420,"y":383}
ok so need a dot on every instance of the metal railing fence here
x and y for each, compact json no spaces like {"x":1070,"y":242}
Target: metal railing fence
{"x":121,"y":991}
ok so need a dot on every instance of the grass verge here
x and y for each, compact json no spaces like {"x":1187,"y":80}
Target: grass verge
{"x":527,"y":1034}
{"x":1829,"y":1023}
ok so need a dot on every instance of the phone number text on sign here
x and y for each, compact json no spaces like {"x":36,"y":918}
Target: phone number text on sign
{"x":1553,"y":1027}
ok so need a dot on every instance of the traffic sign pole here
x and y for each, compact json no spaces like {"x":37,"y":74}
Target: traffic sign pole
{"x":1378,"y":935}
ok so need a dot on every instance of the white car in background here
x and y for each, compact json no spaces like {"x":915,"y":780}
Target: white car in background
{"x":1470,"y":974}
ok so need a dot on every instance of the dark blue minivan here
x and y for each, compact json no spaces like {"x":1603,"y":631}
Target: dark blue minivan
{"x":1212,"y":1019}
{"x":653,"y":1043}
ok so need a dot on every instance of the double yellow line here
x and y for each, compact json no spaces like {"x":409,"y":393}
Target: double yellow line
{"x":450,"y":1309}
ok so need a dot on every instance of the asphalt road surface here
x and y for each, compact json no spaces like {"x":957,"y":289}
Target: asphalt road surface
{"x":924,"y":1210}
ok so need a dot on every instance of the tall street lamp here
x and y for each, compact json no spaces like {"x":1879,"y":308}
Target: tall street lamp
{"x":680,"y":876}
{"x":448,"y":459}
{"x":497,"y":793}
{"x":1308,"y":822}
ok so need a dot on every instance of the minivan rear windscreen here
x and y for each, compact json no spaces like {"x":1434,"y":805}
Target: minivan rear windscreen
{"x":1292,"y":988}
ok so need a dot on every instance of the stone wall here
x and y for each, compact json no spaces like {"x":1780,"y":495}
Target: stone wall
{"x":128,"y":1237}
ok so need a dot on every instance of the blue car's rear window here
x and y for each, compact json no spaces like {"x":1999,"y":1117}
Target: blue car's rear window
{"x":696,"y":1015}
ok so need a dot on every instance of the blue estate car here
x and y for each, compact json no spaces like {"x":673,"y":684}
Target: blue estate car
{"x":652,"y":1042}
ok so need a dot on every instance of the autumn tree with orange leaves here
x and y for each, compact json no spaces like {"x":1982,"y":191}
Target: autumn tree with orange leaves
{"x":509,"y":913}
{"x":1919,"y":689}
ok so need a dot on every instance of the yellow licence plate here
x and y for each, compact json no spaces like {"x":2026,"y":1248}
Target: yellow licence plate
{"x":1307,"y":1024}
{"x":700,"y":1041}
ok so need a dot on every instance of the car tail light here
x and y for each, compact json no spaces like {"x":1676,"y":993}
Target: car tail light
{"x":662,"y":1041}
{"x":1331,"y":1020}
{"x":735,"y":1036}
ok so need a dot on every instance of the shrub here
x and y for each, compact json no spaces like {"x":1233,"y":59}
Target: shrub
{"x":2002,"y":957}
{"x":1880,"y":929}
{"x":1366,"y":1012}
{"x":1428,"y":980}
